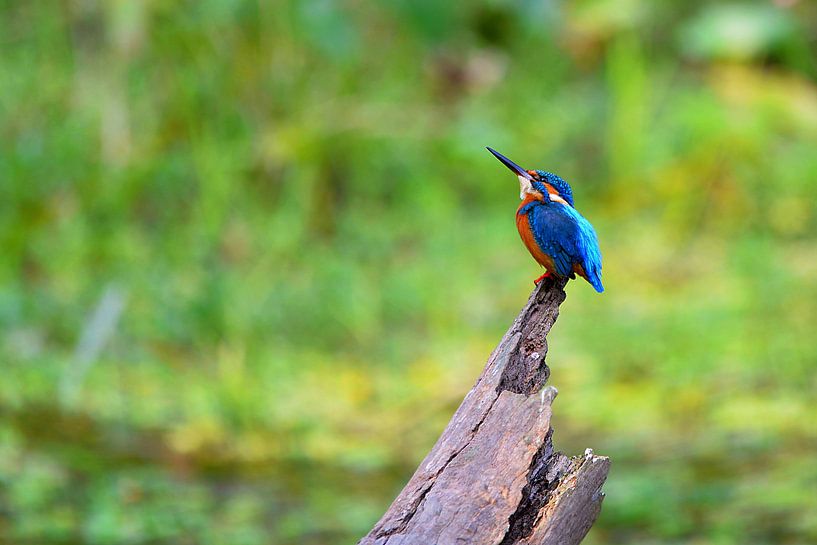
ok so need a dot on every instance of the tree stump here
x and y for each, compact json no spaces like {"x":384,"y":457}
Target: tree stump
{"x":493,"y":477}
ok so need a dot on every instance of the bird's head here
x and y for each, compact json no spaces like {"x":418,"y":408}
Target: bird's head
{"x":543,"y":185}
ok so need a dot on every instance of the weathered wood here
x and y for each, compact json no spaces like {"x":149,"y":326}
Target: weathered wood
{"x":492,"y":477}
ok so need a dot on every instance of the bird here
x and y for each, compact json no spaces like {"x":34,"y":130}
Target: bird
{"x":557,"y":236}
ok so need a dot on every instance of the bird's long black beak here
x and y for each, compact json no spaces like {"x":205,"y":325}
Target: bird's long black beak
{"x":516,"y":169}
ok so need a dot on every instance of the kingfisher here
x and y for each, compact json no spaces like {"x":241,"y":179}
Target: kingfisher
{"x":556,"y":235}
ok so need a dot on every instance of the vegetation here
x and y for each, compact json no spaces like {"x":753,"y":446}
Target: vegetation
{"x":254,"y":254}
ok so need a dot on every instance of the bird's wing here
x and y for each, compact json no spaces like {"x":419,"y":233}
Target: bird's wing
{"x":569,"y":239}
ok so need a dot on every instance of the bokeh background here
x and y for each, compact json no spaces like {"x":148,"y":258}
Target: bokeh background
{"x":254,"y":254}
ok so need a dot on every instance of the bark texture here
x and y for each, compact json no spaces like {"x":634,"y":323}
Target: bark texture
{"x":493,"y":477}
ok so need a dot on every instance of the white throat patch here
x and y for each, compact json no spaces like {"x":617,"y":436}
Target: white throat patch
{"x":524,"y":187}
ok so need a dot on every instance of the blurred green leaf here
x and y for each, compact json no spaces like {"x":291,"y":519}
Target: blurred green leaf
{"x":736,"y":31}
{"x":319,"y":255}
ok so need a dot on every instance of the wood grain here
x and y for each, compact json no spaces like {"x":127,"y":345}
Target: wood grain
{"x":493,"y":477}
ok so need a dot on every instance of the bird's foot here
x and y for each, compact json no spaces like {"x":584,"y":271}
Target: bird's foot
{"x":546,"y":275}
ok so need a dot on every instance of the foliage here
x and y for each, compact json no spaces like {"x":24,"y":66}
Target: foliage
{"x":313,"y":254}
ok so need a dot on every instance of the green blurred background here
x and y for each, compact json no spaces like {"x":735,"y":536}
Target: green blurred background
{"x":255,"y":253}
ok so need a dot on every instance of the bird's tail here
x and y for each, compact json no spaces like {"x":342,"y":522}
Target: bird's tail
{"x":591,"y":274}
{"x":595,"y":280}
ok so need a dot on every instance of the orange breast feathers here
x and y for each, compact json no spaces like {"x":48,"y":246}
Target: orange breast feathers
{"x":523,"y":226}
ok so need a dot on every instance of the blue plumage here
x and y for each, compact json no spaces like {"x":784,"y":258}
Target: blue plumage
{"x":564,"y":235}
{"x":558,"y":183}
{"x":557,"y":236}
